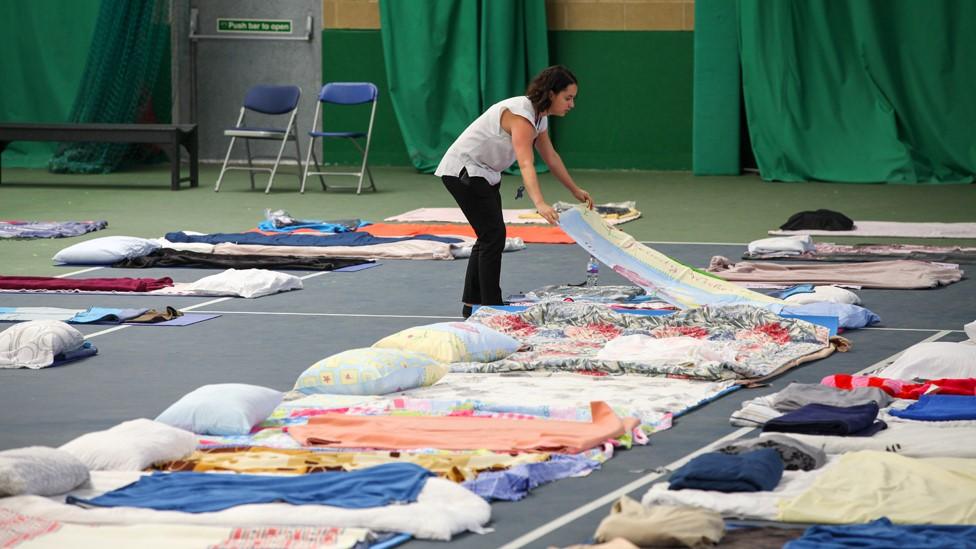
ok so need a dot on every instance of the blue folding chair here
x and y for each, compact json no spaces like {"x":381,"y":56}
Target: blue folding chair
{"x":267,"y":100}
{"x":343,"y":93}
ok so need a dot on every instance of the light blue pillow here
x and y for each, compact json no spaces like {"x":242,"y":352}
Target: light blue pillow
{"x":453,"y":342}
{"x":222,"y":409}
{"x":105,"y":250}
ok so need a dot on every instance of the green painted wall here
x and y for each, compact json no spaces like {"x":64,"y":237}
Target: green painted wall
{"x":357,"y":56}
{"x":633,"y":111}
{"x":634,"y":105}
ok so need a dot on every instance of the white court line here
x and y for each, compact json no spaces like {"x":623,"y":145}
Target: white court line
{"x":586,"y":509}
{"x":190,"y":308}
{"x":912,"y":330}
{"x":695,"y":243}
{"x":88,"y":270}
{"x":322,"y":314}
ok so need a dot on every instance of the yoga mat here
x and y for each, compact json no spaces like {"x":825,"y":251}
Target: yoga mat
{"x":354,"y":268}
{"x":185,"y":320}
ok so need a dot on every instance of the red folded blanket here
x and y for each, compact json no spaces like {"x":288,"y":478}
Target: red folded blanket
{"x":84,"y":284}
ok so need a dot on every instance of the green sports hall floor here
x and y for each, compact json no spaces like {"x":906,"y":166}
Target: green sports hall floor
{"x":677,"y":206}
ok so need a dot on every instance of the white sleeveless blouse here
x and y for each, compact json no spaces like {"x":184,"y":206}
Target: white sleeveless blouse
{"x":484,"y":148}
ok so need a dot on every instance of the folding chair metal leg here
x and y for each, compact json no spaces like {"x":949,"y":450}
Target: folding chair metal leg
{"x":247,"y":147}
{"x":274,"y":169}
{"x":372,"y":185}
{"x":298,"y":158}
{"x":318,"y":168}
{"x":308,"y":164}
{"x":224,"y":168}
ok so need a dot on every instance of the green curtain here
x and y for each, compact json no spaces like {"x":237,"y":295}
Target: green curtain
{"x":449,"y":60}
{"x":45,"y":44}
{"x":860,"y":90}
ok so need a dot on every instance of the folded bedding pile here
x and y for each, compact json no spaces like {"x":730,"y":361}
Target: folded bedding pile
{"x":246,"y":283}
{"x":885,"y":459}
{"x":91,"y":315}
{"x":786,"y":248}
{"x":48,"y":229}
{"x":901,"y":274}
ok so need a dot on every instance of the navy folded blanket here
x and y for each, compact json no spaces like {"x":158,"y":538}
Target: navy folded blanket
{"x":754,"y":471}
{"x":341,"y":239}
{"x":821,"y":419}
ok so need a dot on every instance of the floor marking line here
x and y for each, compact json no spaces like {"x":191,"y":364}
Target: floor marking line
{"x":88,"y":270}
{"x":324,"y":314}
{"x":912,"y":330}
{"x":694,"y":243}
{"x":194,"y":307}
{"x":623,"y":490}
{"x":586,"y":509}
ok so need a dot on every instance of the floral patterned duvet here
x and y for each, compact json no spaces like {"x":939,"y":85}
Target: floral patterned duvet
{"x":567,"y":337}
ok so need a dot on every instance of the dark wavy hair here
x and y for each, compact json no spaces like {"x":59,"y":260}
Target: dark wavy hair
{"x":552,"y":79}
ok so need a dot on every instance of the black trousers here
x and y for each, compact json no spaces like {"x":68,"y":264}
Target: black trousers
{"x":481,"y":203}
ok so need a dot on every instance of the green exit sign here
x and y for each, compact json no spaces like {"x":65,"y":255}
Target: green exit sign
{"x":273,"y":26}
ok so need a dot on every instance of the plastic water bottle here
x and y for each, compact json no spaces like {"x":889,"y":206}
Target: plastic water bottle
{"x":592,"y":271}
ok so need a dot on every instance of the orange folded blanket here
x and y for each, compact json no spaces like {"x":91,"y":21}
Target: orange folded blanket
{"x":463,"y":433}
{"x":546,"y":234}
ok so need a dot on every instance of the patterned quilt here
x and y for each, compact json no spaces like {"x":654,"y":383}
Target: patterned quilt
{"x":568,"y":336}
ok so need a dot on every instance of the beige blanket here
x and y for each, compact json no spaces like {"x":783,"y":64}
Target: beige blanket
{"x":900,"y":274}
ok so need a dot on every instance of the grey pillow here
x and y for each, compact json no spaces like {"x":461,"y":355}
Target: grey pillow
{"x":41,"y":471}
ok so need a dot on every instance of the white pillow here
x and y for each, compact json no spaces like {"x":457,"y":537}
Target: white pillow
{"x":105,"y":250}
{"x":794,"y":243}
{"x":222,"y":409}
{"x":40,"y":471}
{"x":934,"y":360}
{"x":971,"y":331}
{"x":132,"y":446}
{"x":35,"y":343}
{"x":244,"y":283}
{"x":829,"y":294}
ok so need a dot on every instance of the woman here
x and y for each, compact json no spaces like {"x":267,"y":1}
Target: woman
{"x":471,"y":171}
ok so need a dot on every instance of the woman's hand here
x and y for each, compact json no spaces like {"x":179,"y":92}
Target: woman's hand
{"x":548,"y":213}
{"x":583,"y":196}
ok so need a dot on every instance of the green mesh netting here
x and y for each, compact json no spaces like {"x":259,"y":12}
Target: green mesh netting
{"x":126,"y":52}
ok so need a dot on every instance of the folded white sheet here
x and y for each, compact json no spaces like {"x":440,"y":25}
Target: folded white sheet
{"x":247,"y":283}
{"x":796,"y":244}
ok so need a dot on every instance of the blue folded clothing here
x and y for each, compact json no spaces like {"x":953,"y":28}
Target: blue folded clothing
{"x":940,"y":408}
{"x":821,"y":419}
{"x":754,"y":471}
{"x":792,"y":290}
{"x":386,"y":484}
{"x":882,"y":534}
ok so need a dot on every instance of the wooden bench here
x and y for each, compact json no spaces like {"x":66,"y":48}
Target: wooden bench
{"x":169,"y":136}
